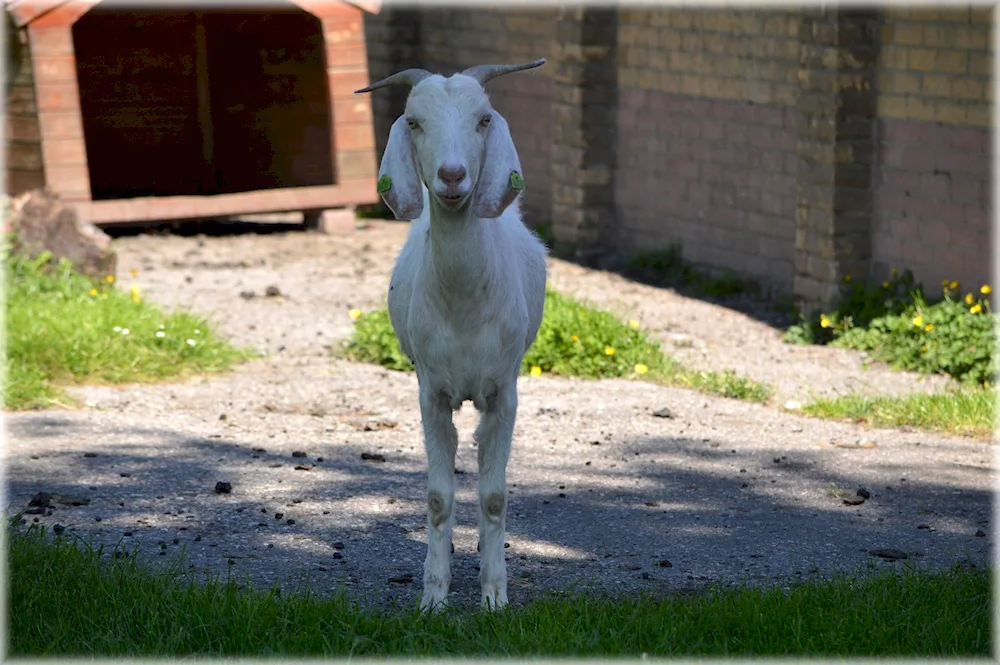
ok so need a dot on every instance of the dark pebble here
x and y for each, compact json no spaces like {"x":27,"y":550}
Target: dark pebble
{"x":506,"y":546}
{"x":97,"y":519}
{"x":48,"y":513}
{"x":338,"y":545}
{"x":123,"y":474}
{"x":663,"y":413}
{"x":177,"y":541}
{"x":298,"y":453}
{"x":232,"y":562}
{"x":545,"y":501}
{"x":777,"y":460}
{"x":862,"y":492}
{"x":924,"y":526}
{"x":562,"y":487}
{"x":263,"y":510}
{"x":223,"y":488}
{"x":42,"y":500}
{"x":743,"y":470}
{"x":222,"y":416}
{"x":319,"y":459}
{"x":90,"y":454}
{"x":664,"y":563}
{"x":645,"y":576}
{"x":25,"y":521}
{"x":163,"y":553}
{"x":296,"y":500}
{"x":300,"y":467}
{"x":980,"y":533}
{"x":258,"y":450}
{"x":326,"y":512}
{"x":35,"y":520}
{"x":197,"y":539}
{"x":278,"y":516}
{"x":373,"y":457}
{"x":562,"y":495}
{"x":127,"y":534}
{"x":338,"y":555}
{"x":272,"y":291}
{"x":289,"y":521}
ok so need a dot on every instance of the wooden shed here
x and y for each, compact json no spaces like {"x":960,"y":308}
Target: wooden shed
{"x":182,"y":110}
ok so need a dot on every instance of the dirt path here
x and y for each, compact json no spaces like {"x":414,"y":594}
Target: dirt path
{"x":603,"y":493}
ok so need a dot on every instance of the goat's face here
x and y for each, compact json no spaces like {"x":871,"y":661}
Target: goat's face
{"x":451,"y":141}
{"x":449,"y":120}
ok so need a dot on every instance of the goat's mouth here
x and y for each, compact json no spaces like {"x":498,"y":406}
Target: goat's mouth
{"x":450,"y":200}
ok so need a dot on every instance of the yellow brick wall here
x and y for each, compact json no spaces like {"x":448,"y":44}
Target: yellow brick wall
{"x":730,"y":55}
{"x":935,"y":65}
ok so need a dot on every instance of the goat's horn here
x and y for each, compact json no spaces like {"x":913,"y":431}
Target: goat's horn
{"x":409,"y":77}
{"x":484,"y":73}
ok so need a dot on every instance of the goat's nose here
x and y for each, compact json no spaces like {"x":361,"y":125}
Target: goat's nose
{"x":451,"y":175}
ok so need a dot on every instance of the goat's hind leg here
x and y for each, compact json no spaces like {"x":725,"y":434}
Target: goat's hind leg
{"x":441,"y":443}
{"x":493,"y":436}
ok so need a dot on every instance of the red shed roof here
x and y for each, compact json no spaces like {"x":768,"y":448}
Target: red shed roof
{"x":26,"y":11}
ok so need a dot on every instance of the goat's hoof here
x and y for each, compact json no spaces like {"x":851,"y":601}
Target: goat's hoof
{"x":434,"y":600}
{"x":494,"y":600}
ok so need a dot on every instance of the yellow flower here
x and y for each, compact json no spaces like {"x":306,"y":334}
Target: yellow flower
{"x":918,"y":321}
{"x":923,"y":348}
{"x":135,"y":273}
{"x":847,"y":278}
{"x":885,"y":285}
{"x":976,"y":309}
{"x":968,"y":298}
{"x":575,"y":338}
{"x":929,"y":327}
{"x":93,"y":292}
{"x":354,"y":313}
{"x":110,"y":279}
{"x":641,"y":369}
{"x":824,"y":321}
{"x":985,"y":289}
{"x":136,"y":294}
{"x":944,"y":283}
{"x":953,"y":286}
{"x":536,"y":370}
{"x":609,"y":350}
{"x":633,"y":323}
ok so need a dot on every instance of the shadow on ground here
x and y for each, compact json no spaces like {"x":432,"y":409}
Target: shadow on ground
{"x":663,"y":518}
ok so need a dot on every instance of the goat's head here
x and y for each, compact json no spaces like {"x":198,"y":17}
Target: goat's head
{"x":451,"y":140}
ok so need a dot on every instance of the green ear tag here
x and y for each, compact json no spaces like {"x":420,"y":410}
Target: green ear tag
{"x":384,"y":184}
{"x":516,"y":181}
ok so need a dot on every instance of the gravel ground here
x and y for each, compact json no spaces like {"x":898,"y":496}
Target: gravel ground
{"x":607,"y":490}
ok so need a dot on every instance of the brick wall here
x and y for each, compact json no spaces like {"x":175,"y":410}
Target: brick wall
{"x":22,"y":139}
{"x":933,"y":190}
{"x":707,"y":136}
{"x":449,"y":40}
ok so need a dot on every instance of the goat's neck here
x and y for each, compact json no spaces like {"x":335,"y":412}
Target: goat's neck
{"x":461,"y":251}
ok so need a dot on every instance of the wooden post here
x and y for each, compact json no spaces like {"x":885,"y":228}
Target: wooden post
{"x":208,"y":178}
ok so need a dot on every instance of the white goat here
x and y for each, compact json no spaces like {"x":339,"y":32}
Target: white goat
{"x":466,"y":295}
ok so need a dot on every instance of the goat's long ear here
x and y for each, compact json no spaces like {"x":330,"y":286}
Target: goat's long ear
{"x":398,"y":180}
{"x":500,"y":180}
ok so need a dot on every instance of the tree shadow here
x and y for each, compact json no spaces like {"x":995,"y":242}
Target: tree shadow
{"x":652,"y":514}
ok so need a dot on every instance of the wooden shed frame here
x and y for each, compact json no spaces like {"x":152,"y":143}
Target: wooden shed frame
{"x":49,"y":25}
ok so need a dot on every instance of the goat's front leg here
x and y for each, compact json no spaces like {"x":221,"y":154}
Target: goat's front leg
{"x":493,"y":436}
{"x":441,"y":443}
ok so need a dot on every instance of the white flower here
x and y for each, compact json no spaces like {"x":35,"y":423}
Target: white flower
{"x":160,"y":333}
{"x":191,"y":342}
{"x":161,"y":326}
{"x":117,"y":328}
{"x":124,"y":331}
{"x":197,"y":332}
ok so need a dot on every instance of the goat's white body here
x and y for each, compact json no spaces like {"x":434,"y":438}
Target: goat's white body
{"x":466,"y":301}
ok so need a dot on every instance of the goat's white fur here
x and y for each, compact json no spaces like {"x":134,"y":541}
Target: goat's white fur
{"x":465,"y":300}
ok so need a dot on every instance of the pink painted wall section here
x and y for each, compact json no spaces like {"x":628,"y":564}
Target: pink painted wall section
{"x":933,"y":203}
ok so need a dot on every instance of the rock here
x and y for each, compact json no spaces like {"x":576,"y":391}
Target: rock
{"x":41,"y":500}
{"x":664,"y":563}
{"x":889,"y":553}
{"x":43,"y":223}
{"x":372,"y":457}
{"x":298,"y":453}
{"x":862,"y":492}
{"x":980,"y":533}
{"x":223,"y":488}
{"x":664,"y":413}
{"x":272,"y":291}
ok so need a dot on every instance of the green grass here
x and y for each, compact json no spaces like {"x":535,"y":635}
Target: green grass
{"x":962,"y":412}
{"x":70,"y":600}
{"x":575,"y":340}
{"x":62,"y":327}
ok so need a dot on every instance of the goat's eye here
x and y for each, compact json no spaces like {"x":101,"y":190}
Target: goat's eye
{"x":413,"y":124}
{"x":485,"y":120}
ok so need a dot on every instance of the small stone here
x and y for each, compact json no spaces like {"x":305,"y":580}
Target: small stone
{"x":372,"y":457}
{"x":177,"y":541}
{"x":289,"y":521}
{"x":663,"y":413}
{"x":58,"y":528}
{"x":645,"y":576}
{"x":278,"y":516}
{"x":664,"y":563}
{"x":272,"y":291}
{"x":338,"y":555}
{"x":42,"y":500}
{"x":562,"y":495}
{"x":248,"y":295}
{"x":90,"y":454}
{"x":298,"y":453}
{"x":98,"y":518}
{"x":862,"y":492}
{"x":338,"y":545}
{"x":980,"y":533}
{"x":223,"y":488}
{"x":222,"y":416}
{"x":197,"y":539}
{"x":127,"y":534}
